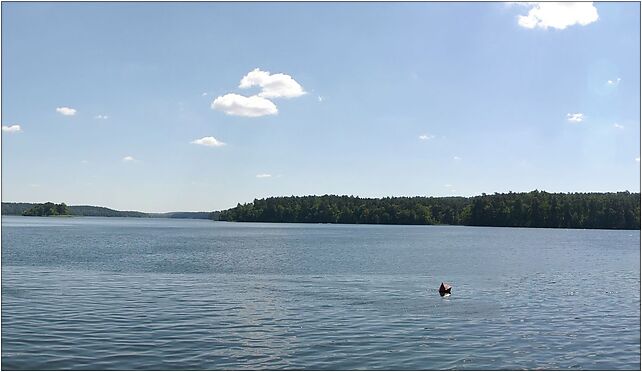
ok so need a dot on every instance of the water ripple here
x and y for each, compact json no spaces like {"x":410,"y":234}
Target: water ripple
{"x":121,"y":308}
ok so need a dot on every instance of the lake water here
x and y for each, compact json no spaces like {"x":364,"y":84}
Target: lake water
{"x":126,"y":293}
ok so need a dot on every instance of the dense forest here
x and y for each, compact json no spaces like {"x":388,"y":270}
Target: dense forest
{"x":533,"y":209}
{"x":48,"y":209}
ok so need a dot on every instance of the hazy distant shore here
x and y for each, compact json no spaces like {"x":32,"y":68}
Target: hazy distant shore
{"x":17,"y":209}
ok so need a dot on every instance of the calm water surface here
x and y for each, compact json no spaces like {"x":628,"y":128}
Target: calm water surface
{"x":126,"y":293}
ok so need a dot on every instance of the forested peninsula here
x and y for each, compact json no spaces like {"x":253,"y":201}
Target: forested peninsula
{"x":619,"y":210}
{"x":48,"y":209}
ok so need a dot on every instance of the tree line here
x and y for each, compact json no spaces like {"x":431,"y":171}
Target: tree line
{"x":619,"y":210}
{"x":33,"y":209}
{"x":48,"y":209}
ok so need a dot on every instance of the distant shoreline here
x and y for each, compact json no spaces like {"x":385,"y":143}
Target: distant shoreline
{"x":17,"y":209}
{"x":433,"y":225}
{"x":328,"y":223}
{"x":535,"y":209}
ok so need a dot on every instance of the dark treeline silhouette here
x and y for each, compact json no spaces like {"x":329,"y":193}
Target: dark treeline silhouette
{"x":48,"y":209}
{"x":74,"y":210}
{"x":16,"y":209}
{"x":534,"y":209}
{"x":92,"y":211}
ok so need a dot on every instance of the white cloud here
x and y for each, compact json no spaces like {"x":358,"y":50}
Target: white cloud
{"x":425,"y":137}
{"x":448,"y":185}
{"x":637,"y":159}
{"x":253,"y":106}
{"x":101,"y":117}
{"x":577,"y":117}
{"x":11,"y":128}
{"x":558,"y":15}
{"x":320,"y":99}
{"x":67,"y":111}
{"x":272,"y":85}
{"x":203,"y":94}
{"x":263,"y":175}
{"x":456,"y":158}
{"x":618,"y":126}
{"x":128,"y":158}
{"x":613,"y":83}
{"x":208,"y":141}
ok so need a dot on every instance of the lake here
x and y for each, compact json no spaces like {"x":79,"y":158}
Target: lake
{"x":158,"y":294}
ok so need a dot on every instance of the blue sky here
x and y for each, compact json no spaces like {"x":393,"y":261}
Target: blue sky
{"x":115,"y":102}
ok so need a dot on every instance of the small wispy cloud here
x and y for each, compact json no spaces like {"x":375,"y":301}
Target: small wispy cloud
{"x":577,"y":117}
{"x":67,"y":111}
{"x":448,"y":185}
{"x":238,"y":105}
{"x":558,"y":15}
{"x":263,"y":175}
{"x":128,"y":159}
{"x":618,"y":126}
{"x":11,"y":128}
{"x":101,"y":117}
{"x":208,"y":141}
{"x":203,"y":94}
{"x":456,"y":158}
{"x":272,"y":85}
{"x":426,"y":137}
{"x":637,"y":159}
{"x":320,"y":98}
{"x":613,"y":83}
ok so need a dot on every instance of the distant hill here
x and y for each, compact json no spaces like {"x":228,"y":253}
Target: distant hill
{"x":18,"y":209}
{"x":89,"y":210}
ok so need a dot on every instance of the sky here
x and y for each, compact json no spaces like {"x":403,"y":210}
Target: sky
{"x":199,"y":106}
